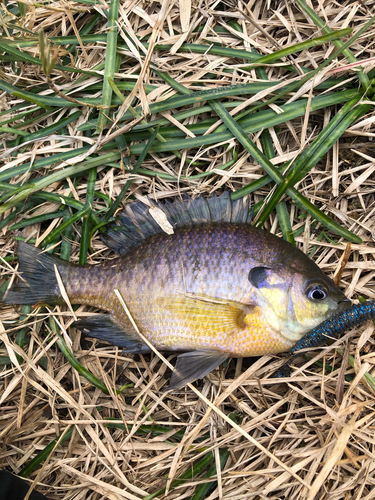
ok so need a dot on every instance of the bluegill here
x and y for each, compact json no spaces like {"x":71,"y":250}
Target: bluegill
{"x":217,"y":287}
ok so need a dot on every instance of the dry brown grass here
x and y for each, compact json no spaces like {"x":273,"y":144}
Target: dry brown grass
{"x":309,"y":436}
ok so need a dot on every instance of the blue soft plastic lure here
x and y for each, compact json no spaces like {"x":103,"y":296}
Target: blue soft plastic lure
{"x":332,"y":328}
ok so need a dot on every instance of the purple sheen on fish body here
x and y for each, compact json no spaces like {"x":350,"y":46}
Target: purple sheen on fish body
{"x":174,"y":287}
{"x":220,"y":288}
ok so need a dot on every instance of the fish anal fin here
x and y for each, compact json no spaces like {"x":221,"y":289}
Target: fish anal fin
{"x":193,"y":365}
{"x":104,"y":327}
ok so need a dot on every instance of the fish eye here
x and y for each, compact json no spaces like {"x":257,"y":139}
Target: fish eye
{"x":317,"y":292}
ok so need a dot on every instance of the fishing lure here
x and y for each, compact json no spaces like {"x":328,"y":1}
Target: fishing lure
{"x":331,"y":328}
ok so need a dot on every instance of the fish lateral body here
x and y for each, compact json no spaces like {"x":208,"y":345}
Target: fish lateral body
{"x":215,"y":288}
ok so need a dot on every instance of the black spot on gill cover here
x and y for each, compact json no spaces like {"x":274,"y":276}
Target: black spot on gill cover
{"x":135,"y":224}
{"x":258,"y":277}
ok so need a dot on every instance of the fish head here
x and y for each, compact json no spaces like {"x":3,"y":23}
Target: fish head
{"x":294,"y":298}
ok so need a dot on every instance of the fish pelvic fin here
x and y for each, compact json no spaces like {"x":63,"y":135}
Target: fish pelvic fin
{"x":135,"y":223}
{"x":104,"y":327}
{"x":193,"y":365}
{"x":37,"y":281}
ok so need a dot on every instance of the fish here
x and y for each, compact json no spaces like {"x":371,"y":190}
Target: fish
{"x":216,"y":288}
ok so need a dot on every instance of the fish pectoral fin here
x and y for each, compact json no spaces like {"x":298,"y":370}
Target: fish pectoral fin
{"x":226,"y":314}
{"x":104,"y":327}
{"x":195,"y":364}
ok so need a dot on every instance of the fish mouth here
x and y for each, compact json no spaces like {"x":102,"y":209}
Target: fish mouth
{"x":343,"y":304}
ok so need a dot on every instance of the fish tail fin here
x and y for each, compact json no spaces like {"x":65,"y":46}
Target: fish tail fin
{"x":37,"y":282}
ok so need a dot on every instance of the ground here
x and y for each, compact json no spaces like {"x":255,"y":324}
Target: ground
{"x":105,"y":101}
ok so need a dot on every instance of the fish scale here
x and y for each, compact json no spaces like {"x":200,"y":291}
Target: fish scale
{"x":210,"y":260}
{"x":216,"y":288}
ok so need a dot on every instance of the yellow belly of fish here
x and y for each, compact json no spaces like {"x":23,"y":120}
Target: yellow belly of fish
{"x":187,"y":323}
{"x":175,"y":329}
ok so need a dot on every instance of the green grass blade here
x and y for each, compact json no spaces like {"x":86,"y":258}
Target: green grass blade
{"x":46,"y":102}
{"x":154,"y":429}
{"x":186,"y":476}
{"x":43,"y":132}
{"x":29,"y":97}
{"x":255,"y":119}
{"x":186,"y":47}
{"x":5,"y":360}
{"x":65,"y":200}
{"x":298,"y":47}
{"x":251,"y":124}
{"x":36,"y":220}
{"x":183,"y":115}
{"x":21,"y":56}
{"x":25,"y":57}
{"x":297,"y":197}
{"x":21,"y":208}
{"x":85,"y":234}
{"x":12,"y":130}
{"x":110,"y":62}
{"x":74,"y":218}
{"x":127,"y":185}
{"x":123,"y":147}
{"x":65,"y":249}
{"x":267,"y":144}
{"x":265,"y":163}
{"x":21,"y":333}
{"x":137,"y":115}
{"x":43,"y":182}
{"x":41,"y":163}
{"x":18,"y":117}
{"x":202,"y":490}
{"x":84,"y":372}
{"x":311,"y":74}
{"x":322,"y":144}
{"x":192,"y":97}
{"x":339,"y":44}
{"x":369,"y":378}
{"x":284,"y":220}
{"x":45,"y":453}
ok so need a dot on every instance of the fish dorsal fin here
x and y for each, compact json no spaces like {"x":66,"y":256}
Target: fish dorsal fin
{"x":135,"y":223}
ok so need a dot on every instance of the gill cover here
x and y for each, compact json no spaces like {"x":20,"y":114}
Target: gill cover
{"x":263,"y":277}
{"x":291,"y":302}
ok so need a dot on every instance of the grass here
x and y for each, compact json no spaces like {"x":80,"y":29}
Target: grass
{"x":105,"y":101}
